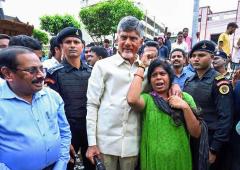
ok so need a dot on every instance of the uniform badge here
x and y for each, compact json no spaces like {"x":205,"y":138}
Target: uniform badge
{"x":77,"y":33}
{"x":222,"y":82}
{"x":204,"y":46}
{"x":224,"y":89}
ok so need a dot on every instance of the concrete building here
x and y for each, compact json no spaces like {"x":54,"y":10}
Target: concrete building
{"x":211,"y":25}
{"x":152,"y":26}
{"x":12,"y":25}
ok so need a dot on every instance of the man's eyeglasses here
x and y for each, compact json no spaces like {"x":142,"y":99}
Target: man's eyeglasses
{"x":34,"y":70}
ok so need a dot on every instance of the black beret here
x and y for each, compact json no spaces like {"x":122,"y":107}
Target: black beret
{"x":221,"y":54}
{"x":204,"y":45}
{"x":69,"y":32}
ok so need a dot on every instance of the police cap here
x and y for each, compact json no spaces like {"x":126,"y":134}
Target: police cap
{"x":221,"y":54}
{"x":205,"y":45}
{"x":69,"y":32}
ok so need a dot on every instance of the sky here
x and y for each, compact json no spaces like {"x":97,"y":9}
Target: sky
{"x":175,"y":14}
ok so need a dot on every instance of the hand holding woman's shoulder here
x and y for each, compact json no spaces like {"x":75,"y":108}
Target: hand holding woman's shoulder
{"x":177,"y":102}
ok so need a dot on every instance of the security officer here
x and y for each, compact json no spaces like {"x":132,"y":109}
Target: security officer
{"x":220,"y":63}
{"x":235,"y":138}
{"x":70,"y":80}
{"x":213,"y":95}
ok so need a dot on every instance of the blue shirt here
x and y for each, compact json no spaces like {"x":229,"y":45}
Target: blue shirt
{"x":33,"y":135}
{"x":168,"y":43}
{"x":180,"y":80}
{"x":189,"y":69}
{"x":163,"y":52}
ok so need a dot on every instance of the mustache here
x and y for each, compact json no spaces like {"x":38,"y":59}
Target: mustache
{"x":39,"y":80}
{"x":176,"y":61}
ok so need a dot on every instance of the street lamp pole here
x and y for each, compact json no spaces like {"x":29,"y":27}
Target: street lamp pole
{"x":195,"y":21}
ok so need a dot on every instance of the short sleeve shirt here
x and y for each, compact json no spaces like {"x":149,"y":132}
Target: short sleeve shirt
{"x":224,"y":37}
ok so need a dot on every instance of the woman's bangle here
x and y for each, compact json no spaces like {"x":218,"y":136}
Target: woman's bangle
{"x":138,"y":76}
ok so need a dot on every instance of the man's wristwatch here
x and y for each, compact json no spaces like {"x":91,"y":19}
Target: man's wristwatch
{"x":142,"y":65}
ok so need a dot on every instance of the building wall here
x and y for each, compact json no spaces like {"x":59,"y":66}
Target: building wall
{"x":211,"y":25}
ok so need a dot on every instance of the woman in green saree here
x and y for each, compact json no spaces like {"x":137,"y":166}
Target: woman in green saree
{"x":167,"y":121}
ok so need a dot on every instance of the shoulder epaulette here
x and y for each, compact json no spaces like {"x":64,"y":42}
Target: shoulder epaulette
{"x":219,"y":77}
{"x":87,"y":67}
{"x":52,"y":70}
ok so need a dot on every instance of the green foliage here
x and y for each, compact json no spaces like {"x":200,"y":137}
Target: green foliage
{"x":55,"y":23}
{"x":40,"y":35}
{"x":102,"y":19}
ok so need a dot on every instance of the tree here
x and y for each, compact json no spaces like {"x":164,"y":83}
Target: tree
{"x":41,"y":36}
{"x":55,"y":23}
{"x":102,"y":19}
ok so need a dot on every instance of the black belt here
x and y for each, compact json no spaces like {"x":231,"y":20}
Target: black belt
{"x":50,"y":167}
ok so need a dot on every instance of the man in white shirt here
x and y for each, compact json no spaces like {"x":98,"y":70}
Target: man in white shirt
{"x":113,"y":127}
{"x":236,"y":56}
{"x":180,"y":43}
{"x":56,"y":54}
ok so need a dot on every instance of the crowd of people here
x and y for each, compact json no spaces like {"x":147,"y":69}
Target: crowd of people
{"x":149,"y":105}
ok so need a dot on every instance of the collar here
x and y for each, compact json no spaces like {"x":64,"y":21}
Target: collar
{"x":119,"y":60}
{"x":85,"y":66}
{"x":210,"y":72}
{"x":55,"y":60}
{"x":179,"y":43}
{"x":182,"y":74}
{"x":39,"y":93}
{"x":191,"y":67}
{"x":68,"y":67}
{"x":7,"y":93}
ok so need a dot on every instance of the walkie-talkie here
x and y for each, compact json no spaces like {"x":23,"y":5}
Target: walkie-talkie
{"x":99,"y":163}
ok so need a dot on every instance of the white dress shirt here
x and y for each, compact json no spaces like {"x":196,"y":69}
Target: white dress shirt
{"x":50,"y":63}
{"x":236,"y":54}
{"x":182,"y":46}
{"x":111,"y":123}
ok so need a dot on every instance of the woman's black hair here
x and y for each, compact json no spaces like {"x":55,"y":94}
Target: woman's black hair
{"x":160,"y":63}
